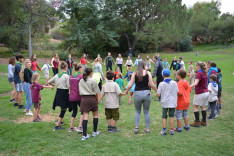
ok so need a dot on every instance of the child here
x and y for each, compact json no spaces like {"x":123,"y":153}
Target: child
{"x":69,"y":61}
{"x":89,"y":92}
{"x":61,"y":80}
{"x":128,"y":73}
{"x":165,"y":64}
{"x":34,"y":65}
{"x":178,"y":67}
{"x":111,"y":91}
{"x":75,"y":97}
{"x":219,"y":80}
{"x":173,"y":66}
{"x":46,"y":68}
{"x":213,"y":92}
{"x":121,"y":84}
{"x":129,"y":63}
{"x":109,"y":61}
{"x":183,"y":101}
{"x":148,"y":63}
{"x":131,"y":90}
{"x":11,"y":77}
{"x":191,"y":73}
{"x":168,"y":90}
{"x":116,"y":72}
{"x":36,"y":96}
{"x":55,"y":62}
{"x":137,"y":60}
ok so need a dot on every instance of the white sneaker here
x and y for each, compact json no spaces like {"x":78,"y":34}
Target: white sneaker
{"x":85,"y":137}
{"x":29,"y":114}
{"x":95,"y":134}
{"x":25,"y":111}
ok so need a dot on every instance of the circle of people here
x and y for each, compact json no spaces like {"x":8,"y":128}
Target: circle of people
{"x":87,"y":91}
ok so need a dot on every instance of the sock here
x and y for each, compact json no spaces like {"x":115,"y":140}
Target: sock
{"x":85,"y":122}
{"x":204,"y":115}
{"x":187,"y":126}
{"x":109,"y":127}
{"x":95,"y":124}
{"x":196,"y":114}
{"x":172,"y":129}
{"x":164,"y":129}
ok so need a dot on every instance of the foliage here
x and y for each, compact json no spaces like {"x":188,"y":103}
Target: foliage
{"x":184,"y":45}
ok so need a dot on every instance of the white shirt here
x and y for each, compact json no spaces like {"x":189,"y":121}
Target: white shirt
{"x":213,"y":92}
{"x":182,"y":64}
{"x":119,"y":60}
{"x":168,"y":94}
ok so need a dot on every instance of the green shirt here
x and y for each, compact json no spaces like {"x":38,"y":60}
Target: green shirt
{"x":120,"y":83}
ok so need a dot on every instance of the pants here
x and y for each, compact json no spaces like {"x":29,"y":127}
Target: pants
{"x":100,"y":85}
{"x":109,"y":66}
{"x":212,"y":107}
{"x":75,"y":105}
{"x":159,"y":80}
{"x":55,"y":71}
{"x":120,"y":67}
{"x":130,"y":55}
{"x":142,"y":98}
{"x":27,"y":91}
{"x":69,"y":71}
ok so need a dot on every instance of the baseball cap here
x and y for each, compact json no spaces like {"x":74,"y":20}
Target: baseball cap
{"x":166,"y":72}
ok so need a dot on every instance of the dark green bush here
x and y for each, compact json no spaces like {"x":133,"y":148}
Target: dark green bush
{"x":184,"y":45}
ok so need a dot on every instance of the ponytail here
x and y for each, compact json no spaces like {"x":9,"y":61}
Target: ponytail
{"x":76,"y":66}
{"x":202,"y":65}
{"x":86,"y":73}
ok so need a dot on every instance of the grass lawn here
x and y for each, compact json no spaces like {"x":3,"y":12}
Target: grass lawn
{"x":38,"y":138}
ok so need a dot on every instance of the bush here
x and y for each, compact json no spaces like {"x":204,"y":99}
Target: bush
{"x":184,"y":45}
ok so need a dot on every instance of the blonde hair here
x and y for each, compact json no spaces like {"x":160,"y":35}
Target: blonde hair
{"x":22,"y":69}
{"x":34,"y":77}
{"x":202,"y":65}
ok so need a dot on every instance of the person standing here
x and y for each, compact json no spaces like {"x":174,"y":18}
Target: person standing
{"x":182,"y":63}
{"x":165,"y":64}
{"x":84,"y":61}
{"x":173,"y":66}
{"x":55,"y":62}
{"x":11,"y":67}
{"x":129,"y":63}
{"x":108,"y":62}
{"x":69,"y":62}
{"x":34,"y":64}
{"x":137,"y":60}
{"x":159,"y":59}
{"x":148,"y":63}
{"x":119,"y":61}
{"x":130,"y":52}
{"x":97,"y":72}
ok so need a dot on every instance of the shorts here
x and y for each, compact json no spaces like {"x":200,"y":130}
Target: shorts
{"x":112,"y":113}
{"x":181,"y":114}
{"x":36,"y":104}
{"x":46,"y":75}
{"x":19,"y":87}
{"x":148,"y":65}
{"x":171,"y":112}
{"x":11,"y":79}
{"x":174,"y":72}
{"x":88,"y":103}
{"x":219,"y":93}
{"x":201,"y":99}
{"x":34,"y":72}
{"x":129,"y":65}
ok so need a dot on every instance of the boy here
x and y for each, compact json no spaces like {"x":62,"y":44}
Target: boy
{"x":178,"y":67}
{"x":213,"y":92}
{"x":183,"y":101}
{"x":128,"y":73}
{"x":165,"y":64}
{"x":191,"y":73}
{"x":18,"y":82}
{"x":168,"y":90}
{"x":120,"y":83}
{"x":219,"y":81}
{"x":137,"y":60}
{"x":111,"y":91}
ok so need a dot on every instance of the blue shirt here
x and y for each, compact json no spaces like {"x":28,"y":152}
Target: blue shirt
{"x":16,"y":73}
{"x":127,"y":75}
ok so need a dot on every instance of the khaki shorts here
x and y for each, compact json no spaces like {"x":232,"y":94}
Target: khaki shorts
{"x":36,"y":104}
{"x":201,"y":99}
{"x":112,"y":113}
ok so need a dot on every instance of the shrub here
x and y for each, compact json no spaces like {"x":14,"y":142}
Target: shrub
{"x":184,"y":45}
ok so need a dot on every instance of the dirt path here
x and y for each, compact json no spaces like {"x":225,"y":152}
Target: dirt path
{"x":6,"y":94}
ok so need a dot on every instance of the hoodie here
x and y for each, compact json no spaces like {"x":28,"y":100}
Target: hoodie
{"x":212,"y":70}
{"x":183,"y":100}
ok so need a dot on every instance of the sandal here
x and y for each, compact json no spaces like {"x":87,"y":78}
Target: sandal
{"x":136,"y":130}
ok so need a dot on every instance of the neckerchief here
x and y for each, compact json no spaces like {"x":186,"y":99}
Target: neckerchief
{"x":61,"y":74}
{"x":201,"y":70}
{"x":167,"y":80}
{"x":19,"y":63}
{"x":48,"y":66}
{"x":76,"y":74}
{"x":214,"y":83}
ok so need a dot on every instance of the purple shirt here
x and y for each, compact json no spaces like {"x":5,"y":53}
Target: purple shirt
{"x":202,"y":85}
{"x":74,"y":88}
{"x":35,"y":92}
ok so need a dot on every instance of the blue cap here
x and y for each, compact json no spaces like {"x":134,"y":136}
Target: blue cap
{"x":166,"y":72}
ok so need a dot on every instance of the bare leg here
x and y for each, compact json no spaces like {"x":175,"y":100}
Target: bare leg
{"x":13,"y":93}
{"x":172,"y":122}
{"x":72,"y":122}
{"x":20,"y":94}
{"x":186,"y":121}
{"x":114,"y":123}
{"x":164,"y":122}
{"x":59,"y":121}
{"x":95,"y":114}
{"x":179,"y":122}
{"x":109,"y":122}
{"x":35,"y":114}
{"x":81,"y":120}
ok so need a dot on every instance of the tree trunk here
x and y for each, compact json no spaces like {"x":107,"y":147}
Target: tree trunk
{"x":29,"y":41}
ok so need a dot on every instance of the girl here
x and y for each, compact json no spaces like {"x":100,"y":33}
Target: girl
{"x":46,"y":68}
{"x":119,"y":61}
{"x":131,"y":90}
{"x":98,"y":58}
{"x":116,"y":72}
{"x":69,"y":63}
{"x":201,"y":96}
{"x":173,"y":66}
{"x":11,"y":77}
{"x":97,"y":73}
{"x":84,"y":61}
{"x":36,"y":96}
{"x":89,"y":92}
{"x":61,"y":99}
{"x":26,"y":75}
{"x":142,"y":95}
{"x":148,"y":63}
{"x":55,"y":62}
{"x":75,"y":97}
{"x":191,"y":73}
{"x":137,"y":60}
{"x":129,"y":63}
{"x":34,"y":64}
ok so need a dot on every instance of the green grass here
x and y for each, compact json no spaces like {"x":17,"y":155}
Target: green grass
{"x":35,"y":138}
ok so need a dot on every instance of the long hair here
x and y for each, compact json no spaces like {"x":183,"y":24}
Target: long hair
{"x":12,"y":60}
{"x":32,"y":59}
{"x":22,"y":69}
{"x":86,"y":73}
{"x":63,"y":65}
{"x":202,"y":65}
{"x":139,"y":70}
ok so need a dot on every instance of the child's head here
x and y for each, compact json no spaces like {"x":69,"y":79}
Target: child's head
{"x":181,"y":74}
{"x":155,"y":58}
{"x":84,"y":55}
{"x":33,"y":57}
{"x":87,"y":72}
{"x":165,"y":59}
{"x":69,"y":56}
{"x":77,"y":67}
{"x":147,"y":57}
{"x":129,"y":57}
{"x":20,"y":58}
{"x":166,"y":73}
{"x":181,"y":58}
{"x":63,"y":65}
{"x":190,"y":62}
{"x":219,"y":70}
{"x":201,"y":65}
{"x":175,"y":58}
{"x":208,"y":64}
{"x":130,"y":68}
{"x":98,"y":55}
{"x":35,"y":77}
{"x":157,"y":54}
{"x":212,"y":64}
{"x":109,"y":54}
{"x":178,"y":61}
{"x":110,"y":75}
{"x":117,"y":69}
{"x":119,"y":75}
{"x":139,"y":56}
{"x":12,"y":60}
{"x":48,"y":61}
{"x":27,"y":63}
{"x":213,"y":77}
{"x":120,"y":55}
{"x":56,"y":56}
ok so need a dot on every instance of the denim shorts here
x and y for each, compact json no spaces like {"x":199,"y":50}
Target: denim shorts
{"x":11,"y":79}
{"x":19,"y":87}
{"x":181,"y":114}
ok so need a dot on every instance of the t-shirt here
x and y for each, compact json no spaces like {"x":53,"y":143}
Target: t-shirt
{"x":88,"y":87}
{"x":202,"y":85}
{"x":83,"y":61}
{"x":182,"y":64}
{"x":35,"y":92}
{"x":74,"y":88}
{"x":10,"y":71}
{"x":60,"y":82}
{"x":111,"y":91}
{"x":119,"y":60}
{"x":165,"y":65}
{"x":213,"y":92}
{"x":55,"y":63}
{"x":168,"y":94}
{"x":120,"y":83}
{"x":184,"y":99}
{"x":17,"y":79}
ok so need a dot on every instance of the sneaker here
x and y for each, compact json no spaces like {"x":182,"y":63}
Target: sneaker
{"x":187,"y":128}
{"x":157,"y":99}
{"x":29,"y":114}
{"x":12,"y":101}
{"x":136,"y":130}
{"x":79,"y":129}
{"x":58,"y":128}
{"x":147,"y":131}
{"x":71,"y":129}
{"x":129,"y":102}
{"x":209,"y":118}
{"x":85,"y":137}
{"x":203,"y":123}
{"x":95,"y":134}
{"x":177,"y":130}
{"x":114,"y":129}
{"x":21,"y":107}
{"x":163,"y":132}
{"x":36,"y":120}
{"x":195,"y":124}
{"x":16,"y":105}
{"x":57,"y":122}
{"x":215,"y":116}
{"x":171,"y":132}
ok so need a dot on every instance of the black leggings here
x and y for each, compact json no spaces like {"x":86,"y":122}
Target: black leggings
{"x":110,"y":67}
{"x":55,"y":71}
{"x":62,"y":113}
{"x":100,"y":84}
{"x":120,"y":67}
{"x":75,"y":108}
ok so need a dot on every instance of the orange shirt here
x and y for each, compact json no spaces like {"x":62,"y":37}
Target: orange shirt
{"x":184,"y":99}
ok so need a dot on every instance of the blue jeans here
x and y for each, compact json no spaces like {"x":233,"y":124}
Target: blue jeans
{"x":212,"y":107}
{"x":27,"y":91}
{"x":34,"y":72}
{"x":69,"y":71}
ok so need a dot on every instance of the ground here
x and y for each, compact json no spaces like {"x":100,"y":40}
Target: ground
{"x":19,"y":136}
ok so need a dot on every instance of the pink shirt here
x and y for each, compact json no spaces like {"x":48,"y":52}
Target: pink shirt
{"x":202,"y":85}
{"x":74,"y":88}
{"x":35,"y":92}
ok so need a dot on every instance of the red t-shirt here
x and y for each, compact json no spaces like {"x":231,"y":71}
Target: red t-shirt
{"x":202,"y":85}
{"x":35,"y":92}
{"x":183,"y":100}
{"x":83,"y":61}
{"x":34,"y":66}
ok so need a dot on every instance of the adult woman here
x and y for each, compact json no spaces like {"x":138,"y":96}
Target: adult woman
{"x":142,"y":95}
{"x":11,"y":77}
{"x":201,"y":94}
{"x":55,"y":62}
{"x":26,"y":76}
{"x":119,"y":61}
{"x":97,"y":72}
{"x":84,"y":61}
